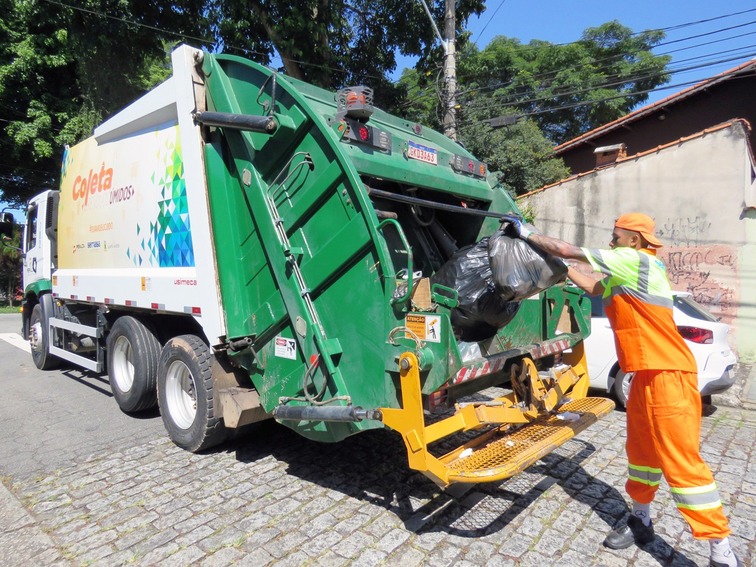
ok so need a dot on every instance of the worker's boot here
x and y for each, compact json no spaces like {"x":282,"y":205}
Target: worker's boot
{"x":635,"y":531}
{"x":724,"y":557}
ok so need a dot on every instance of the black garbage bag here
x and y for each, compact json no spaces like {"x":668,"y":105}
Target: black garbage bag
{"x":482,"y":310}
{"x":521,"y":270}
{"x":491,"y":278}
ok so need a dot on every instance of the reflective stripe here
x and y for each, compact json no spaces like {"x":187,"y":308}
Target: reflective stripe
{"x":643,"y":271}
{"x":644,"y":475}
{"x":644,"y":297}
{"x":697,"y":497}
{"x":600,"y":262}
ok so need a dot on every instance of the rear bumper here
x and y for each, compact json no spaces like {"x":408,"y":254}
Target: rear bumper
{"x":721,"y":384}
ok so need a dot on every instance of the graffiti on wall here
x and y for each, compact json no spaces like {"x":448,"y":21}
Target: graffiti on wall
{"x":694,"y":264}
{"x":707,"y":272}
{"x":685,"y":231}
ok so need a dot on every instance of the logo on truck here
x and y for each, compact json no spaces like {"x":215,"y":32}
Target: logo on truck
{"x":94,"y":183}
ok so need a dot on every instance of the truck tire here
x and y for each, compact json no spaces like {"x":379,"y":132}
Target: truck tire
{"x":133,"y":355}
{"x":39,"y":339}
{"x":185,"y":394}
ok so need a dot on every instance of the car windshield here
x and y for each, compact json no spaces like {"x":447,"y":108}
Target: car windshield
{"x":687,"y":305}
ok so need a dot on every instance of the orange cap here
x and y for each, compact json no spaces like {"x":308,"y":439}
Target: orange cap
{"x":640,"y":223}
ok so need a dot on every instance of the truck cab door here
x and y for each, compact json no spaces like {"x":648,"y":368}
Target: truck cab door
{"x":39,"y":242}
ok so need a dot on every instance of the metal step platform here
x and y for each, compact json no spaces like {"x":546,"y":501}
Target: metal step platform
{"x":517,"y":429}
{"x":502,"y":453}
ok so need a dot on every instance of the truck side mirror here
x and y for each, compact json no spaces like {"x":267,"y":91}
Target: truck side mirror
{"x":6,"y":225}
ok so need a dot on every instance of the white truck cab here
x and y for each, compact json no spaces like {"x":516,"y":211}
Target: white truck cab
{"x":39,"y":243}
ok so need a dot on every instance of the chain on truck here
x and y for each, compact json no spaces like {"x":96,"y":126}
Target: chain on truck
{"x":237,"y":246}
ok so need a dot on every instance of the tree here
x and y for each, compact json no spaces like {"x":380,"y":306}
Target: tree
{"x":10,"y":267}
{"x":519,"y":153}
{"x":336,"y":43}
{"x":566,"y":89}
{"x":62,"y":70}
{"x":423,"y":98}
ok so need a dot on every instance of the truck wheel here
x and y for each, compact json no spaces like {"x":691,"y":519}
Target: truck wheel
{"x":185,"y":394}
{"x":133,"y":354}
{"x":621,"y":386}
{"x":38,"y":335}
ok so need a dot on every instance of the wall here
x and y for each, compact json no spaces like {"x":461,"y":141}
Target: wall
{"x":700,"y":193}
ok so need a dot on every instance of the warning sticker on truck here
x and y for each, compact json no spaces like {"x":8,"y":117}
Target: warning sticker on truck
{"x":286,"y":348}
{"x":424,"y":327}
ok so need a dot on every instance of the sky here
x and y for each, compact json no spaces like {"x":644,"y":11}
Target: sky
{"x":721,"y":44}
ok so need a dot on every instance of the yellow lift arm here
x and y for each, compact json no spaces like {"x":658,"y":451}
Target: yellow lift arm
{"x":521,"y":427}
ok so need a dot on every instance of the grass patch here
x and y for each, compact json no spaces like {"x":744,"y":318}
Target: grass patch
{"x":8,"y":309}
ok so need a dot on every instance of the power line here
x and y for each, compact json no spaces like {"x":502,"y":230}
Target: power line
{"x":707,"y":33}
{"x":129,"y":22}
{"x":606,"y":60}
{"x":610,"y":59}
{"x":491,"y":18}
{"x":707,"y":20}
{"x":203,"y":40}
{"x":577,"y":104}
{"x":664,"y":29}
{"x":511,"y":99}
{"x":336,"y":69}
{"x":212,"y":42}
{"x":510,"y":102}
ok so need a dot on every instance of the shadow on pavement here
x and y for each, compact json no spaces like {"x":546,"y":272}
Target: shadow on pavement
{"x":89,"y":379}
{"x":372,"y":467}
{"x":100,"y":383}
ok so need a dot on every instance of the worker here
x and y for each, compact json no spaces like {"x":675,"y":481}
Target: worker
{"x":664,"y":406}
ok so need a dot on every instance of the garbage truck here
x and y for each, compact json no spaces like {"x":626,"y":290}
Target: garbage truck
{"x":238,"y":245}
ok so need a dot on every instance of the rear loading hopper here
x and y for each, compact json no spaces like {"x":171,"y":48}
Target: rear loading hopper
{"x":328,"y":225}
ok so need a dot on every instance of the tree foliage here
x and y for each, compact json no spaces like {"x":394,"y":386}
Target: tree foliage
{"x":333,"y":43}
{"x":566,"y":89}
{"x":520,"y":154}
{"x":65,"y":66}
{"x":62,"y":70}
{"x":10,"y":267}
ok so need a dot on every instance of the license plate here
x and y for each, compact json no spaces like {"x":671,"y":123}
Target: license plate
{"x":422,"y":153}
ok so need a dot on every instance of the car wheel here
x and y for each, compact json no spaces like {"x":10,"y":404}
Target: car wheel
{"x":621,"y":386}
{"x":39,"y":339}
{"x":185,"y":394}
{"x":133,"y":354}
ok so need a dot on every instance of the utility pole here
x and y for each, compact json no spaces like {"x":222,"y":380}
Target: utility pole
{"x":450,"y":65}
{"x":450,"y":70}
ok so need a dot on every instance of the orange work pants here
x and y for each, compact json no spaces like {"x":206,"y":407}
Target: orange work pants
{"x":663,"y":437}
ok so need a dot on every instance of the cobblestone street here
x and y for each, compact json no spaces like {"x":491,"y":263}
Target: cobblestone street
{"x":273,"y":498}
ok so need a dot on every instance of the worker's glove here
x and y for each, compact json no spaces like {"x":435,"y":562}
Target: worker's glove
{"x":520,"y":227}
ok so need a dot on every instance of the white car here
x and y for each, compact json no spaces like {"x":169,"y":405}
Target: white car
{"x":704,"y":334}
